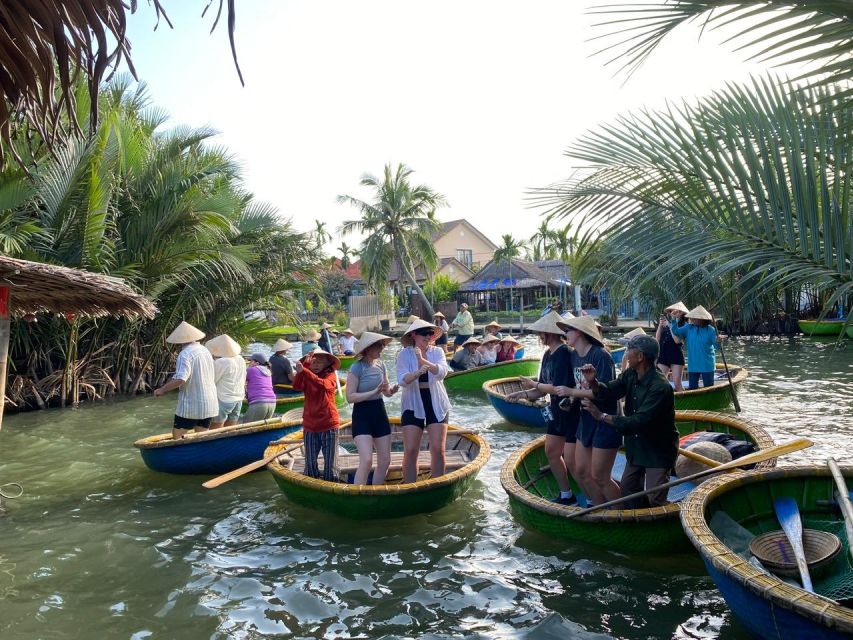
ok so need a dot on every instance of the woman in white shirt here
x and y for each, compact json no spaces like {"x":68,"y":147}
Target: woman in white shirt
{"x":229,"y":374}
{"x":347,"y":342}
{"x":421,"y":368}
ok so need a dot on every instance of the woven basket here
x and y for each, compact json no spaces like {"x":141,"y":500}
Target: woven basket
{"x":774,"y":551}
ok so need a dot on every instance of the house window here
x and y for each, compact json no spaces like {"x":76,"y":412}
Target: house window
{"x":465,"y":256}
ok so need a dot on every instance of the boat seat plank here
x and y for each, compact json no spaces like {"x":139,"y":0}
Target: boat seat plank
{"x":454,"y":459}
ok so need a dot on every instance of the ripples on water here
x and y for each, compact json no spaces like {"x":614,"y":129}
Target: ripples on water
{"x":99,"y":546}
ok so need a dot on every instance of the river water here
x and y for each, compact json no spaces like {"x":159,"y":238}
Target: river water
{"x":99,"y":546}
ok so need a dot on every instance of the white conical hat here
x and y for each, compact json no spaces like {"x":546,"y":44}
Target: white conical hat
{"x":584,"y":324}
{"x":319,"y":353}
{"x":634,"y":333}
{"x":548,"y":324}
{"x":367,"y":339}
{"x":185,"y":333}
{"x":509,"y":339}
{"x":313,"y":334}
{"x":494,"y":323}
{"x":700,"y":313}
{"x":281,"y":345}
{"x":678,"y":306}
{"x":471,"y":340}
{"x":223,"y":346}
{"x":418,"y":323}
{"x":491,"y":338}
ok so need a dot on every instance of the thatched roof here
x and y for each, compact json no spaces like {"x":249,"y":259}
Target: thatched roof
{"x":496,"y":275}
{"x":37,"y":287}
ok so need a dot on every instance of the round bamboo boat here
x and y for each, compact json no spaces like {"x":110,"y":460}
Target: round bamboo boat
{"x":287,"y":398}
{"x":764,"y":604}
{"x":531,"y":486}
{"x":526,"y":413}
{"x":466,"y":455}
{"x":822,"y":328}
{"x":473,"y":379}
{"x":850,"y":330}
{"x":616,"y":350}
{"x":346,"y":362}
{"x":215,"y":451}
{"x":717,"y":396}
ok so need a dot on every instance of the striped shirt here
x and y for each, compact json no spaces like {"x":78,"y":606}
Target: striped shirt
{"x":197,"y":396}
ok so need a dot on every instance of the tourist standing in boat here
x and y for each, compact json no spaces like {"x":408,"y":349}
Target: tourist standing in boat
{"x":651,"y":439}
{"x":468,"y":356}
{"x":367,"y":383}
{"x":597,"y":442}
{"x":309,"y":342}
{"x":259,"y":390}
{"x":193,"y":378}
{"x":325,"y":341}
{"x":282,"y":370}
{"x":561,"y":426}
{"x":439,"y":321}
{"x":421,"y":368}
{"x":464,"y":324}
{"x":229,"y":375}
{"x":316,"y":378}
{"x":508,"y":347}
{"x":671,"y":352}
{"x":701,"y":336}
{"x":347,"y":342}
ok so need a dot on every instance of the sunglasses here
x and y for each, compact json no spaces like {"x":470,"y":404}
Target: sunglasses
{"x":423,"y":332}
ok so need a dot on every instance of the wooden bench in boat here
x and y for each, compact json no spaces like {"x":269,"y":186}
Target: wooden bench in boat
{"x":348,"y":463}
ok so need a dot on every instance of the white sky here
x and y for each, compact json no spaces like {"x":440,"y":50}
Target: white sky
{"x":479,"y":97}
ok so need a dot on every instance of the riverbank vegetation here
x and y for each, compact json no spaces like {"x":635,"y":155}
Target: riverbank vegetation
{"x":741,"y":198}
{"x":163,"y":208}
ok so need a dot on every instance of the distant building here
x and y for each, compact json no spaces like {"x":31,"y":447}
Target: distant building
{"x":461,"y":240}
{"x":490,"y":287}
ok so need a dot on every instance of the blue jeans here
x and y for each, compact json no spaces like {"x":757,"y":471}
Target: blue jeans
{"x":693,"y":379}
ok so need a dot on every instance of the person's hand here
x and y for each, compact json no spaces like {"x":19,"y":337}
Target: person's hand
{"x":590,"y":408}
{"x":588,"y":372}
{"x":528,"y":383}
{"x":664,"y":322}
{"x":298,"y":366}
{"x":562,"y":391}
{"x":512,"y":398}
{"x":158,"y":392}
{"x":393,"y":390}
{"x":424,"y":369}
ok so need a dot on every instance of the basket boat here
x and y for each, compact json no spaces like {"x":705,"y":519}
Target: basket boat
{"x":287,"y":398}
{"x":717,"y":396}
{"x":518,"y":354}
{"x":764,"y":604}
{"x":346,"y":362}
{"x":216,"y":451}
{"x":823,"y":328}
{"x":654,"y":530}
{"x":616,"y":350}
{"x":526,"y":413}
{"x":850,"y":330}
{"x":473,"y":379}
{"x":466,"y":455}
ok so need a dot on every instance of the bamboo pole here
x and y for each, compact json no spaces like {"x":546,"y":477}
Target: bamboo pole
{"x":5,"y":329}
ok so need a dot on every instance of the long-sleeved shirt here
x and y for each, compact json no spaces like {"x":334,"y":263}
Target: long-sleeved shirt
{"x":468,"y":360}
{"x":320,"y":412}
{"x":700,"y":345}
{"x":651,"y":439}
{"x":464,"y":323}
{"x":407,"y":362}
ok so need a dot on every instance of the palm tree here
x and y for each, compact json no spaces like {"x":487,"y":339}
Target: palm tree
{"x":398,"y":225}
{"x":506,"y":252}
{"x":321,"y":236}
{"x":563,"y":245}
{"x":346,"y":251}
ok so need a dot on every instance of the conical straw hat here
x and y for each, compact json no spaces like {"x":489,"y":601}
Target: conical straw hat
{"x":185,"y":333}
{"x":633,"y":333}
{"x":678,"y":306}
{"x":584,"y":324}
{"x":412,"y":318}
{"x":311,"y":335}
{"x":333,"y":360}
{"x":494,"y":323}
{"x":438,"y":314}
{"x":471,"y":340}
{"x":223,"y":346}
{"x":349,"y":331}
{"x":281,"y":345}
{"x":326,"y":325}
{"x":548,"y":324}
{"x":700,"y":313}
{"x":509,"y":339}
{"x":566,"y":315}
{"x":367,"y":339}
{"x":491,"y":338}
{"x":418,"y":323}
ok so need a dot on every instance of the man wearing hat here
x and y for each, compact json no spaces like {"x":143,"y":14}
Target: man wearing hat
{"x":282,"y":370}
{"x":193,"y":378}
{"x":325,"y":340}
{"x":464,"y":324}
{"x":229,"y":374}
{"x":440,"y":322}
{"x":347,"y":342}
{"x":309,"y":342}
{"x":468,"y":356}
{"x":701,"y":337}
{"x":651,"y":439}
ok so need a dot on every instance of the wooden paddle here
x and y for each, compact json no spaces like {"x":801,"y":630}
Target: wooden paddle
{"x":789,"y":517}
{"x":753,"y":458}
{"x":728,"y":374}
{"x":843,"y":498}
{"x":698,"y":457}
{"x":257,"y":464}
{"x":543,"y":471}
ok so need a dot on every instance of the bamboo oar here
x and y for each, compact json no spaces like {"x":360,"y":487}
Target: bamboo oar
{"x":788,"y":515}
{"x":698,"y":457}
{"x":753,"y":458}
{"x":728,"y":373}
{"x":843,"y":497}
{"x":543,"y":471}
{"x":257,"y":464}
{"x":256,"y":423}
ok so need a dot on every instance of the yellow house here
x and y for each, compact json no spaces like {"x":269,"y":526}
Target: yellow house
{"x":459,"y":239}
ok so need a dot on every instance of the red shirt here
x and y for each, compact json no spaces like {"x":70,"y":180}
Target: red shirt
{"x":321,"y":412}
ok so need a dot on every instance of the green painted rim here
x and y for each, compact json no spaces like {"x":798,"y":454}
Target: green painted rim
{"x":473,"y":379}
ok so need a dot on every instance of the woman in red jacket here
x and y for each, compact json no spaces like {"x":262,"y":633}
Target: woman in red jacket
{"x":315,"y":377}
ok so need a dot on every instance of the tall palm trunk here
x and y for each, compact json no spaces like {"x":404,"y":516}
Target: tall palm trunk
{"x":410,"y":276}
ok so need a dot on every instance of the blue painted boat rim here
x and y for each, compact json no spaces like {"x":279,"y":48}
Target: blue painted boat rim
{"x":812,"y":606}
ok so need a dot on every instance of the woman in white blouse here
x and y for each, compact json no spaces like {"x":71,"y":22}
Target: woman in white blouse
{"x":421,"y":368}
{"x":347,"y":342}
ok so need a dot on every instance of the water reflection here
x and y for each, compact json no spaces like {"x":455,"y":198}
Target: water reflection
{"x":98,"y":541}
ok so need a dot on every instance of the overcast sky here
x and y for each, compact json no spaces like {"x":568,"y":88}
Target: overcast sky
{"x":481,"y":98}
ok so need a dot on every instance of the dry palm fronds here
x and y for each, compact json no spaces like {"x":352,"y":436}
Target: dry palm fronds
{"x":46,"y":44}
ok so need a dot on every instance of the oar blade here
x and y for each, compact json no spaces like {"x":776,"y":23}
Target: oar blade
{"x":788,"y":514}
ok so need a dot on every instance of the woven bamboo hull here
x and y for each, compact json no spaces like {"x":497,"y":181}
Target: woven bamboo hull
{"x":822,"y":328}
{"x":616,"y":350}
{"x":766,"y":606}
{"x":473,"y":379}
{"x":850,"y":331}
{"x":655,"y":530}
{"x":524,"y":414}
{"x":711,"y":398}
{"x":392,"y":500}
{"x":214,"y":452}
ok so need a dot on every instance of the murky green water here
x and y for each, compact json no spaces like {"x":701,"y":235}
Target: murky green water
{"x":99,"y":546}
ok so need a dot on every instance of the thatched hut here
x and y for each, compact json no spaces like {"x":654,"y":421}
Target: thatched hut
{"x":33,"y":287}
{"x":492,"y":285}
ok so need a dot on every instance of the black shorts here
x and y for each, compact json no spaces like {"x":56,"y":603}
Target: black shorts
{"x":370,"y":419}
{"x":191,"y":423}
{"x":671,"y":354}
{"x":564,"y":424}
{"x":408,"y":416}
